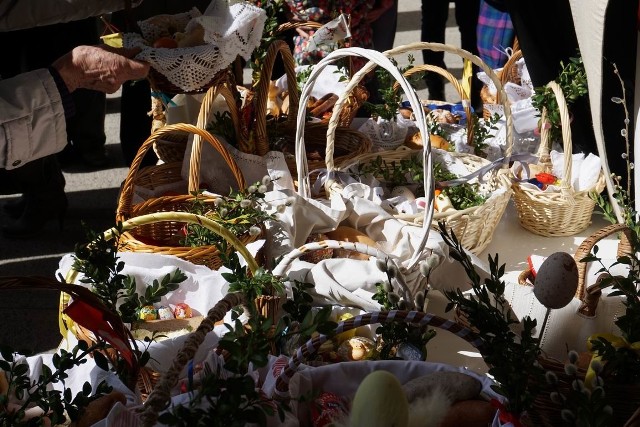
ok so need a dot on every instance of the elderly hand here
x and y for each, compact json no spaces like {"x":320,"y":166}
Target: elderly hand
{"x":102,"y":68}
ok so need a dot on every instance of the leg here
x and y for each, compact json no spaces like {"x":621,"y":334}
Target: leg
{"x":434,"y":21}
{"x":467,"y":12}
{"x":42,"y":183}
{"x":135,"y":123}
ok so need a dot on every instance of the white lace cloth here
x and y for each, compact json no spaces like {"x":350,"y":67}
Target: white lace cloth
{"x":231,"y":28}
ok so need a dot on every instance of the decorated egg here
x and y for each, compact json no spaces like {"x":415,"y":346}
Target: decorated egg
{"x":148,"y":312}
{"x":356,"y":348}
{"x":422,"y":202}
{"x":380,"y":401}
{"x":402,"y":191}
{"x":182,"y":311}
{"x":165,"y":313}
{"x":408,"y":351}
{"x":556,"y":280}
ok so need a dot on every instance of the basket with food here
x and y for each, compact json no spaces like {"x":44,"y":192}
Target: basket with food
{"x":187,"y":50}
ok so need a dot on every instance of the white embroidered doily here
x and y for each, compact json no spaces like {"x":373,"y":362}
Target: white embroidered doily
{"x":231,"y":28}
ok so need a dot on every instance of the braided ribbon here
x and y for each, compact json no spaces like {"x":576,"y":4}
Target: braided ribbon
{"x":616,"y":341}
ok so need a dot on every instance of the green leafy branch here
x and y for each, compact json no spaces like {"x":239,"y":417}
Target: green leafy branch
{"x":512,"y":358}
{"x":39,"y":393}
{"x":573,"y":82}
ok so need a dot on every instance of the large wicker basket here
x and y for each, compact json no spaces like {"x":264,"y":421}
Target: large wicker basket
{"x":349,"y":142}
{"x":164,"y":237}
{"x":145,"y":378}
{"x":474,"y":226}
{"x":559,"y":213}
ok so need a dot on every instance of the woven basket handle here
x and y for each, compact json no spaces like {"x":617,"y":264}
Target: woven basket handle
{"x":584,"y":293}
{"x":362,"y":248}
{"x":204,"y":117}
{"x":414,"y":317}
{"x":160,"y":397}
{"x":375,"y":58}
{"x":126,"y":194}
{"x":439,"y":47}
{"x":545,"y":143}
{"x":262,"y":91}
{"x":624,"y":248}
{"x":466,"y":103}
{"x":507,"y":71}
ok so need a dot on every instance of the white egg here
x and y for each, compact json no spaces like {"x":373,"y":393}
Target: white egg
{"x":402,"y":191}
{"x":556,"y":280}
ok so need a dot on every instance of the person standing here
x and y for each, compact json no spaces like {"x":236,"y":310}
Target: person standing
{"x":435,"y":14}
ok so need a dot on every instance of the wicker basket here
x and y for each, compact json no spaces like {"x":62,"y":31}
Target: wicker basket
{"x":474,"y":226}
{"x":466,"y":103}
{"x":164,"y":237}
{"x":561,"y":213}
{"x":625,"y":399}
{"x":172,"y":147}
{"x":146,"y":378}
{"x":508,"y":73}
{"x":349,"y":142}
{"x":414,"y":317}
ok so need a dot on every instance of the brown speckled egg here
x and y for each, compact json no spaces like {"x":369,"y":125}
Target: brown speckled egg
{"x":556,"y":280}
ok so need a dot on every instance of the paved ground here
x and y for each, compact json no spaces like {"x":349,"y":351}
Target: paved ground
{"x":30,"y":317}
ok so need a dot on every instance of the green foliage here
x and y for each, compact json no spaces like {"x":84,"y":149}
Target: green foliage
{"x":482,"y":130}
{"x":262,"y":282}
{"x":222,"y":124}
{"x":573,"y":82}
{"x":622,"y":364}
{"x":409,"y":171}
{"x":394,"y":173}
{"x":391,"y":98}
{"x":130,"y":307}
{"x":301,"y":318}
{"x":240,"y":212}
{"x":39,"y":393}
{"x":98,"y":261}
{"x":512,"y":358}
{"x":275,"y":10}
{"x":462,"y":196}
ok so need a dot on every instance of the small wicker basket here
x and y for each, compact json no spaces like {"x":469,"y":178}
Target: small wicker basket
{"x":508,"y":73}
{"x":164,"y":237}
{"x":560,"y":213}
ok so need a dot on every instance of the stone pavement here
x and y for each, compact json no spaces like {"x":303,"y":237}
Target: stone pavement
{"x":30,"y":316}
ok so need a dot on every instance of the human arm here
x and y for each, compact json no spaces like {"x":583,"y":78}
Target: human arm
{"x":20,"y":14}
{"x":33,"y":105}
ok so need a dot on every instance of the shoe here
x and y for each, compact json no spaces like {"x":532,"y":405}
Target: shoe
{"x":38,"y":211}
{"x":14,"y":208}
{"x":96,"y":159}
